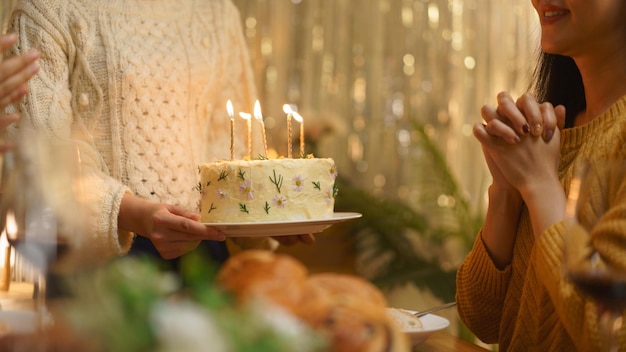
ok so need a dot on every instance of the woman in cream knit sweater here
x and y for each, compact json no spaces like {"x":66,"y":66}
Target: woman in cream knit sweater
{"x":510,"y":288}
{"x":141,"y":87}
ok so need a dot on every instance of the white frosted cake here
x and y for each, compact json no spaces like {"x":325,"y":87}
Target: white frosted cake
{"x":267,"y":190}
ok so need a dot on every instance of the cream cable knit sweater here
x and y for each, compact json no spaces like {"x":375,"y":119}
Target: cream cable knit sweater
{"x":142,"y":86}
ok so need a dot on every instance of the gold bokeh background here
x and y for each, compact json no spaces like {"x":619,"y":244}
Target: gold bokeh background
{"x":363,"y":70}
{"x":365,"y":73}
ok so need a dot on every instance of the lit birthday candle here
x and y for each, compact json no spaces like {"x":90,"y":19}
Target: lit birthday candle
{"x":231,"y":115}
{"x":287,"y":109}
{"x":299,"y":118}
{"x":248,"y":119}
{"x":259,"y":117}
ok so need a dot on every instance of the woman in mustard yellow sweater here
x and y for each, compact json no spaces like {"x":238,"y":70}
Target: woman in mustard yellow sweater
{"x":510,"y":288}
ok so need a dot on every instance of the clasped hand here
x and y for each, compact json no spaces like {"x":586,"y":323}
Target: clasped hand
{"x":521,"y":141}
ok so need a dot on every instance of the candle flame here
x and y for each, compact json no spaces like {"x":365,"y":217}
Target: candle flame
{"x":245,"y":115}
{"x":287,"y":109}
{"x":257,"y":111}
{"x":11,"y":225}
{"x":297,"y":116}
{"x":229,"y":109}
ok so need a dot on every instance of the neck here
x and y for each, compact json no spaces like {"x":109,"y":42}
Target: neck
{"x":604,"y":78}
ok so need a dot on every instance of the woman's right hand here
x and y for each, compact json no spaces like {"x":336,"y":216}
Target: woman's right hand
{"x":529,"y":165}
{"x":172,"y":229}
{"x":522,"y":117}
{"x":14,"y":75}
{"x":15,"y":72}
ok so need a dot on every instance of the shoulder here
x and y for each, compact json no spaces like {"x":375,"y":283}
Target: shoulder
{"x":57,"y":14}
{"x":225,"y":9}
{"x":40,"y":7}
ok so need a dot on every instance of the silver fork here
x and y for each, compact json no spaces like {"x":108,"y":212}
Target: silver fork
{"x":434,"y":309}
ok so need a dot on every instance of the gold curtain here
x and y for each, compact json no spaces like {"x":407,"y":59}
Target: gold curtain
{"x":361,"y":72}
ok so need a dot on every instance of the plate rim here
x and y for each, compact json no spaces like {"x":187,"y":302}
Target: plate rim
{"x":444,"y":323}
{"x":337,"y":216}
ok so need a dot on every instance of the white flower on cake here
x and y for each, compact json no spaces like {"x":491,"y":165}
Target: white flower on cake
{"x":221,"y":195}
{"x":298,"y":183}
{"x":246,"y":188}
{"x":329,"y":196}
{"x":280,"y":201}
{"x":333,"y":172}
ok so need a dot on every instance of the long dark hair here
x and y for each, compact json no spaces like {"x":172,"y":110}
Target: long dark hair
{"x":557,"y":80}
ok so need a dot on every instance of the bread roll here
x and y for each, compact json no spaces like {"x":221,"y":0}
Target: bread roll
{"x":347,"y":285}
{"x":349,"y":310}
{"x":406,"y":320}
{"x":353,"y":324}
{"x":261,"y":274}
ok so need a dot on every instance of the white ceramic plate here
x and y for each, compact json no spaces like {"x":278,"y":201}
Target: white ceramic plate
{"x":280,"y":228}
{"x":431,"y":324}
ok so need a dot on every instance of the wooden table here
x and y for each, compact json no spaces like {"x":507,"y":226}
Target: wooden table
{"x":443,"y":341}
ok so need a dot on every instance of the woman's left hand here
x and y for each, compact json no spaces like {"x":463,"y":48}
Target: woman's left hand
{"x":530,"y":165}
{"x":530,"y":160}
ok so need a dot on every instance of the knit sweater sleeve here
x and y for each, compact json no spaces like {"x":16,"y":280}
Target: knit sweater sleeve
{"x":481,"y":289}
{"x":50,"y":108}
{"x":577,"y":313}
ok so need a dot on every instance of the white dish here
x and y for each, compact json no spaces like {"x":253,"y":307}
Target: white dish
{"x":431,"y":324}
{"x":280,"y":228}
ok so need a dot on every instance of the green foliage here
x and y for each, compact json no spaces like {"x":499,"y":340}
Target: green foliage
{"x":112,"y":304}
{"x":119,"y":305}
{"x":402,"y":240}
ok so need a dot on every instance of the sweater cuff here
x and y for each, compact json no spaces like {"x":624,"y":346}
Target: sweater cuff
{"x":485,"y":273}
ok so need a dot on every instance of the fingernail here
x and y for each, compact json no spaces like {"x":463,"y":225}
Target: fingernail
{"x":34,"y":68}
{"x":33,"y":54}
{"x":526,"y":129}
{"x":537,"y":129}
{"x":548,"y":135}
{"x":516,"y":139}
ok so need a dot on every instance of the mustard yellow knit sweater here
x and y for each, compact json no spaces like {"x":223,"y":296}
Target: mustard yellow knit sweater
{"x":529,"y":306}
